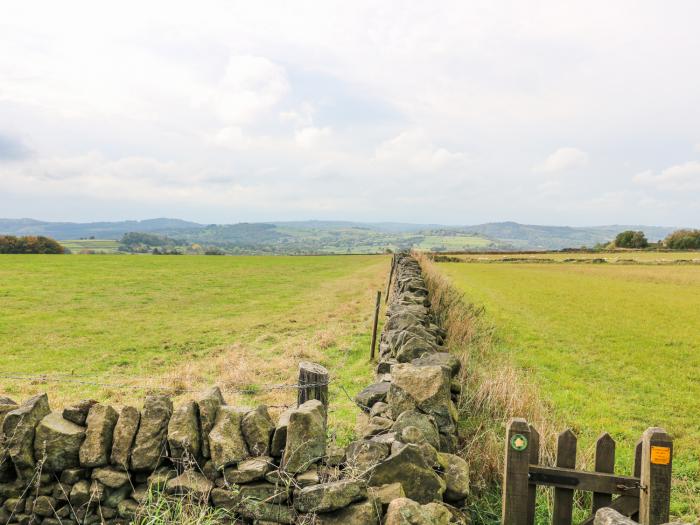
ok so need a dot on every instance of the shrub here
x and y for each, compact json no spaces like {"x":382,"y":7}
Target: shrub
{"x":683,"y":240}
{"x":29,"y":244}
{"x":631,"y":239}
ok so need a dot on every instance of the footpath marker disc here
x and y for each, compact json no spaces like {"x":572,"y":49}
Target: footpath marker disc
{"x":518,"y":442}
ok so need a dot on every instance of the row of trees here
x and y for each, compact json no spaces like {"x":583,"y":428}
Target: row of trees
{"x":678,"y":240}
{"x":29,"y":244}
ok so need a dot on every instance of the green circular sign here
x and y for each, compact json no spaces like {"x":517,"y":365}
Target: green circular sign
{"x":518,"y":442}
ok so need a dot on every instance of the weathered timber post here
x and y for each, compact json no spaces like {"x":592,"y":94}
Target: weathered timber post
{"x":374,"y":325}
{"x":637,"y":470}
{"x":515,"y":474}
{"x":532,"y":489}
{"x":655,"y":477}
{"x":391,"y":276}
{"x":562,"y":511}
{"x":313,"y":383}
{"x":604,"y":462}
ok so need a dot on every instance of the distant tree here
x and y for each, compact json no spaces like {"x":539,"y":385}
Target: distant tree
{"x":683,"y":240}
{"x":631,"y":239}
{"x":146,"y":239}
{"x":29,"y":244}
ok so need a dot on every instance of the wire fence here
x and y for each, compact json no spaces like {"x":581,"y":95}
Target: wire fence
{"x":70,"y":379}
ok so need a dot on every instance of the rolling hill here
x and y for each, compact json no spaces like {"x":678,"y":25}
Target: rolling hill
{"x":305,"y":237}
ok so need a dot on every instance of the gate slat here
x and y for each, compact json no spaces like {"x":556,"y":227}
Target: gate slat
{"x":564,"y":498}
{"x":532,"y":489}
{"x":604,"y":462}
{"x":637,"y":472}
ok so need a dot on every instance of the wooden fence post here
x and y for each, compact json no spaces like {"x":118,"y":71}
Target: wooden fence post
{"x":515,"y":474}
{"x":655,"y":496}
{"x":391,"y":276}
{"x":604,"y":462}
{"x":564,"y":498}
{"x":374,"y":325}
{"x":313,"y":383}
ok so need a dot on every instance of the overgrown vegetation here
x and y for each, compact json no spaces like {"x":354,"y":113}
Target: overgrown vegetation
{"x":9,"y":244}
{"x":158,"y":508}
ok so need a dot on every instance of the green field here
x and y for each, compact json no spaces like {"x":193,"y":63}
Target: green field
{"x":185,"y":322}
{"x":621,"y":256}
{"x":612,"y":348}
{"x":94,"y":245}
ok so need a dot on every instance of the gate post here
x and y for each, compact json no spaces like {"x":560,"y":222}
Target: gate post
{"x":515,"y":473}
{"x":313,"y":383}
{"x":655,"y":495}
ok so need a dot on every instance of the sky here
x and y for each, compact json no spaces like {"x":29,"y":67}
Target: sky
{"x":546,"y":112}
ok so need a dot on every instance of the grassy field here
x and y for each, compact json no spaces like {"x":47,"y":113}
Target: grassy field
{"x":611,"y":257}
{"x":95,"y":245}
{"x":186,"y":322}
{"x":611,"y":348}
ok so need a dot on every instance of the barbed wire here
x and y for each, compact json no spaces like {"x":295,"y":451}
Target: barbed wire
{"x":65,"y":378}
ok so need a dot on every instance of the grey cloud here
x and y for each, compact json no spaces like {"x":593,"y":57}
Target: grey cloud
{"x":12,"y":148}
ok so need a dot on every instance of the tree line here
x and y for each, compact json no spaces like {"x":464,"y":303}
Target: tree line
{"x":679,"y":240}
{"x":29,"y":244}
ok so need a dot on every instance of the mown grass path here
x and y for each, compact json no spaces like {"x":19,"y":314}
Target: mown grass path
{"x":185,"y":322}
{"x":612,"y":348}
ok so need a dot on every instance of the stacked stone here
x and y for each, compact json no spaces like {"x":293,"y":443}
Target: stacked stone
{"x":408,"y":448}
{"x":90,"y":463}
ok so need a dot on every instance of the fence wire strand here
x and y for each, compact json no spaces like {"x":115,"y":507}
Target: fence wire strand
{"x":66,"y":378}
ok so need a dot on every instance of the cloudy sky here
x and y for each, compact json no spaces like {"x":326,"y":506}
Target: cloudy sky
{"x":455,"y":112}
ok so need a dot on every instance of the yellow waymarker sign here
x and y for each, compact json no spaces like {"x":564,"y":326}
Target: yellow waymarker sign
{"x":660,"y":455}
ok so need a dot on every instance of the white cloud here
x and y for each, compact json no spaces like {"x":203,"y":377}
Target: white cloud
{"x":251,"y":86}
{"x":682,"y":177}
{"x":414,"y":150}
{"x":311,"y":137}
{"x":697,"y":147}
{"x":231,"y":137}
{"x":563,"y":159}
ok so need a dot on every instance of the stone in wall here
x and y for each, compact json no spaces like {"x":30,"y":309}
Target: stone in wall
{"x":226,"y":441}
{"x":57,"y":441}
{"x":19,"y":429}
{"x":306,"y":437}
{"x":257,"y":427}
{"x":208,"y":405}
{"x":97,"y":447}
{"x":124,"y":434}
{"x":151,"y":439}
{"x":184,"y":435}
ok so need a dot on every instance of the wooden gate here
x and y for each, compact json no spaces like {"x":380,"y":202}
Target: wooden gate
{"x":644,"y":496}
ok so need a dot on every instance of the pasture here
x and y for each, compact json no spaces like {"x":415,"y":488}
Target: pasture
{"x":611,"y":347}
{"x":615,"y":257}
{"x":91,"y":245}
{"x":115,"y":326}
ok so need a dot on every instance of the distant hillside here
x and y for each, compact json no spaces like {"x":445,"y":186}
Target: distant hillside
{"x":304,"y":237}
{"x":101,"y":230}
{"x":534,"y":237}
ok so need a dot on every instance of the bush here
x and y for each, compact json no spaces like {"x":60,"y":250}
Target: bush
{"x":29,"y":244}
{"x":683,"y":240}
{"x":631,"y":239}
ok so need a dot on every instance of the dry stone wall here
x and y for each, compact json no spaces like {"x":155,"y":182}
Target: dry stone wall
{"x":91,"y":463}
{"x":411,"y":440}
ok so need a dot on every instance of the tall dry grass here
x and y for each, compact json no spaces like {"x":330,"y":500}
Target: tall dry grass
{"x":493,"y":390}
